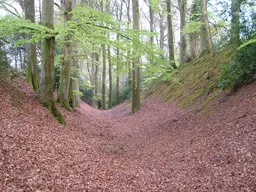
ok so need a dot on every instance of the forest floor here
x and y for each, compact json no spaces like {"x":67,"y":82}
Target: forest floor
{"x":160,"y":148}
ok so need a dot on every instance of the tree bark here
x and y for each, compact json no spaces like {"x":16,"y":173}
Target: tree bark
{"x":117,"y":76}
{"x":170,"y":35}
{"x":32,"y":68}
{"x":63,"y":94}
{"x":151,"y":16}
{"x":183,"y":43}
{"x":161,"y":31}
{"x":110,"y":78}
{"x":205,"y":33}
{"x":47,"y":77}
{"x":103,"y":96}
{"x":136,"y":67}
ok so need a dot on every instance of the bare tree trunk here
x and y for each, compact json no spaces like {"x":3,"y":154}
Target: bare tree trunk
{"x":110,"y":78}
{"x":170,"y":35}
{"x":151,"y":15}
{"x":128,"y":52}
{"x":161,"y":31}
{"x":136,"y":67}
{"x":205,"y":34}
{"x":63,"y":94}
{"x":46,"y":83}
{"x":97,"y":59}
{"x":192,"y":44}
{"x":117,"y":76}
{"x":103,"y":96}
{"x":76,"y":89}
{"x":183,"y":43}
{"x":32,"y":68}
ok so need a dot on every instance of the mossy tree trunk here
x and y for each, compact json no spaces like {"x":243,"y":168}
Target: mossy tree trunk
{"x":205,"y":33}
{"x":136,"y":67}
{"x":32,"y":68}
{"x":170,"y":35}
{"x":63,"y":94}
{"x":183,"y":42}
{"x":235,"y":22}
{"x":47,"y":78}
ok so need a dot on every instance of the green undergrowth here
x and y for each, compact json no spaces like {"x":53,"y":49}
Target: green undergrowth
{"x":196,"y":81}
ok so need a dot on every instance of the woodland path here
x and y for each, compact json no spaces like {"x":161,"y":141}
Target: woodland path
{"x":160,"y":148}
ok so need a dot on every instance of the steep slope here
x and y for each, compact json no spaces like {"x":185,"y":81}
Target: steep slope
{"x":160,"y":148}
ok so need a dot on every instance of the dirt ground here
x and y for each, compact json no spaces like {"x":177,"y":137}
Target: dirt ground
{"x":160,"y":148}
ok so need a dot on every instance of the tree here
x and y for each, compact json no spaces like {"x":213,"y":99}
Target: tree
{"x":235,"y":22}
{"x":170,"y":35}
{"x":205,"y":33}
{"x":183,"y":43}
{"x":135,"y":64}
{"x":63,"y":94}
{"x":47,"y":76}
{"x":151,"y":16}
{"x":32,"y":69}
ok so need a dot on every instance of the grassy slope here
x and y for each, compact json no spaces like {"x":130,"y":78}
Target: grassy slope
{"x":196,"y":81}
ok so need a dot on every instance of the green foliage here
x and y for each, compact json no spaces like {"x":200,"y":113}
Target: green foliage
{"x":10,"y":25}
{"x":242,"y":67}
{"x":3,"y":58}
{"x":125,"y":94}
{"x":159,"y":69}
{"x":192,"y":27}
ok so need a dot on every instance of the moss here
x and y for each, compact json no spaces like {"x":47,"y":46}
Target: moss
{"x":196,"y":81}
{"x":53,"y":109}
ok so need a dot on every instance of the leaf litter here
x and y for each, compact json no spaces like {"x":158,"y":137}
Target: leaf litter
{"x":160,"y":148}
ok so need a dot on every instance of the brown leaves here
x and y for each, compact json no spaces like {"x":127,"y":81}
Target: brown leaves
{"x":160,"y":148}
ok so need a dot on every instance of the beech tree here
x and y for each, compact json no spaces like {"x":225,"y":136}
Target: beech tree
{"x":46,"y":82}
{"x":170,"y":35}
{"x":205,"y":31}
{"x":183,"y":43}
{"x":32,"y":68}
{"x":235,"y":22}
{"x":64,"y":89}
{"x":135,"y":64}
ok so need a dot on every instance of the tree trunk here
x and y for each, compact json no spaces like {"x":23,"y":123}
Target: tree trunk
{"x":110,"y":79}
{"x":63,"y":95}
{"x":136,"y":67}
{"x":161,"y":31}
{"x":183,"y":43}
{"x":47,"y":77}
{"x":117,"y":75}
{"x":192,"y":45}
{"x":128,"y":52}
{"x":170,"y":35}
{"x":103,"y":96}
{"x":32,"y":69}
{"x":235,"y":22}
{"x":205,"y":34}
{"x":97,"y":58}
{"x":151,"y":15}
{"x":76,"y":89}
